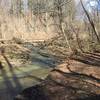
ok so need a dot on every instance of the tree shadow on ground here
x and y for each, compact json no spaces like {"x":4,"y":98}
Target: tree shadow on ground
{"x":88,"y":58}
{"x":60,"y":90}
{"x":32,"y":93}
{"x":95,"y":97}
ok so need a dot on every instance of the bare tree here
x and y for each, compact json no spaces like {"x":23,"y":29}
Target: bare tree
{"x":91,"y":22}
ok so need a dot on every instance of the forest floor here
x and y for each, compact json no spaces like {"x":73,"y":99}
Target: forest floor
{"x":78,"y":79}
{"x":25,"y":65}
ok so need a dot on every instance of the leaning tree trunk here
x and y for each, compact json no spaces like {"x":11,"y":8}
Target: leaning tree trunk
{"x":91,"y":22}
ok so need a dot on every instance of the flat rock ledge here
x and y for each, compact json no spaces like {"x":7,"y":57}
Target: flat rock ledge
{"x":65,"y":85}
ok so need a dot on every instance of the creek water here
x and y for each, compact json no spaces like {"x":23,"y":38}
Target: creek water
{"x":14,"y":80}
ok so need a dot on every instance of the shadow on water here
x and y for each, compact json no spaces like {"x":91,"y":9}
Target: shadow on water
{"x":13,"y":86}
{"x":30,"y":76}
{"x":14,"y":77}
{"x":38,"y":56}
{"x":9,"y":86}
{"x":11,"y":89}
{"x":44,"y":62}
{"x":45,"y":59}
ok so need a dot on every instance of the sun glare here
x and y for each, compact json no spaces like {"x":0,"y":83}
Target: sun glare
{"x":93,"y":3}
